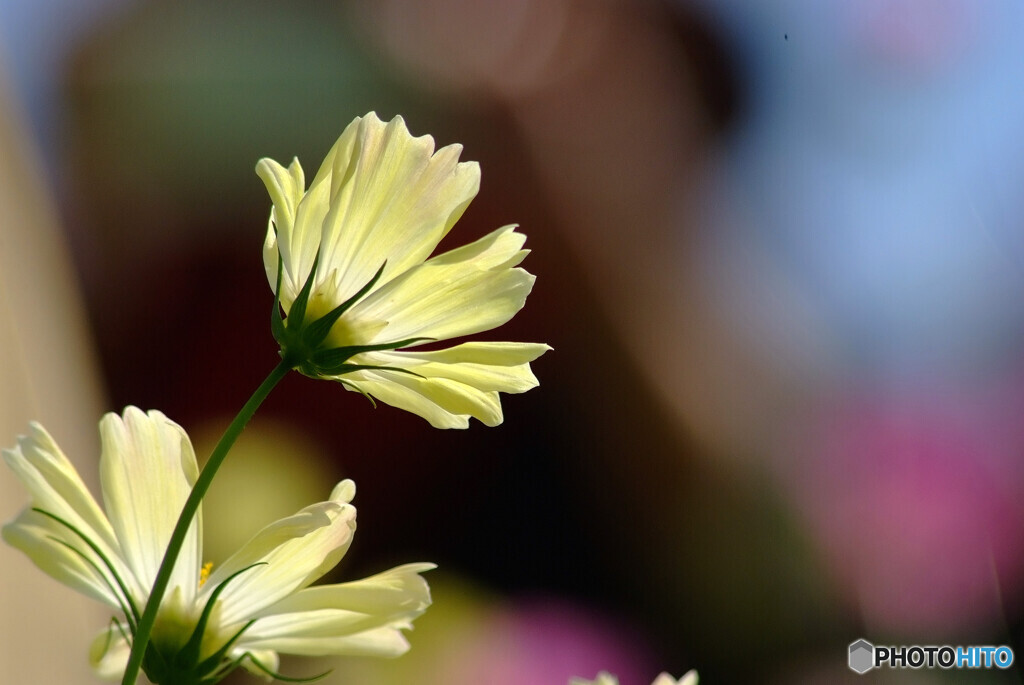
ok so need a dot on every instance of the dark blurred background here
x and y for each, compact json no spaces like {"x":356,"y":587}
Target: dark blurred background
{"x":777,"y":248}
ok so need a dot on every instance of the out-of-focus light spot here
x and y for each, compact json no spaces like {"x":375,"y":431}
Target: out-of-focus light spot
{"x":921,"y":513}
{"x":468,"y":638}
{"x":913,"y":34}
{"x":507,"y":48}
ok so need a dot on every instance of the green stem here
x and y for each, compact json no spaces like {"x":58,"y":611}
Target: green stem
{"x":188,"y":512}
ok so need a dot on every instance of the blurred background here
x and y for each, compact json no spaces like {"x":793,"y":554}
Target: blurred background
{"x":778,"y":246}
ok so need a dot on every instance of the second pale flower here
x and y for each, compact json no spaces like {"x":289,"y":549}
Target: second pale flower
{"x":253,"y":605}
{"x":358,"y":242}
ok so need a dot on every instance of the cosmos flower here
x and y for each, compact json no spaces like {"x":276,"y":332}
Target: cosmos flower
{"x":243,"y":612}
{"x":664,"y":679}
{"x":349,"y":262}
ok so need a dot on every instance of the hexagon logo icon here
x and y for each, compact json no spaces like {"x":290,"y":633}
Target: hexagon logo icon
{"x":862,"y":656}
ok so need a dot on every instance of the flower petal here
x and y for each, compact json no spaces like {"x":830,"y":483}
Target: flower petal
{"x":147,"y":468}
{"x":690,"y":678}
{"x":442,"y":402}
{"x":380,"y":195}
{"x":361,"y":617}
{"x":291,"y":553}
{"x":286,"y":187}
{"x":665,"y":679}
{"x":488,"y":366}
{"x":56,"y":488}
{"x":36,"y":535}
{"x":397,"y":590}
{"x":603,"y":678}
{"x":267,"y":658}
{"x":108,"y":654}
{"x":457,"y":293}
{"x":452,"y":384}
{"x":392,"y":199}
{"x":386,"y":641}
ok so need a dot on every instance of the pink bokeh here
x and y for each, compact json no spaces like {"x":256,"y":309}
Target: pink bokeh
{"x":919,"y":508}
{"x":546,"y":641}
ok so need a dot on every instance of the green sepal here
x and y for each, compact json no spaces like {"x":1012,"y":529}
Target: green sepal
{"x":189,"y":654}
{"x":156,"y":667}
{"x":326,"y":359}
{"x":276,"y":322}
{"x":297,"y":312}
{"x":277,"y":676}
{"x":184,"y":667}
{"x":342,"y":369}
{"x":353,"y":386}
{"x":317,"y":332}
{"x":211,"y":662}
{"x":110,"y":635}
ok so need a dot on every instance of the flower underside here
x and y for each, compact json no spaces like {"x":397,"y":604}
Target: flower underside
{"x":356,"y":290}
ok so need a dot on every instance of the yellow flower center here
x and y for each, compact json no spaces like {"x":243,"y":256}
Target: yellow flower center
{"x":204,"y":572}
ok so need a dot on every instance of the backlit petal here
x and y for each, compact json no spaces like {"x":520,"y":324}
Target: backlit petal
{"x":458,"y":293}
{"x":400,"y":589}
{"x":452,"y":384}
{"x":34,"y":534}
{"x":603,"y":678}
{"x":361,"y":617}
{"x":442,"y":402}
{"x":286,"y":187}
{"x":55,"y":486}
{"x":291,"y":553}
{"x":267,"y":658}
{"x":392,"y":198}
{"x":108,"y":654}
{"x":386,"y":641}
{"x":380,"y":195}
{"x":147,"y":468}
{"x":488,"y":366}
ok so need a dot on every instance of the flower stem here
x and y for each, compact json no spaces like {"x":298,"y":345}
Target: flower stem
{"x":188,"y":512}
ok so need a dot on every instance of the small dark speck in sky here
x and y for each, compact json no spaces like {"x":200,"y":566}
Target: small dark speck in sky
{"x":785,"y":36}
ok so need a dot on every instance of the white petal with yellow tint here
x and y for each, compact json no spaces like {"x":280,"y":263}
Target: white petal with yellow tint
{"x":267,"y":658}
{"x":34,"y":534}
{"x":147,"y":468}
{"x":452,"y":384}
{"x":109,"y":653}
{"x":665,"y":679}
{"x":285,"y":557}
{"x":56,"y":487}
{"x":361,"y":617}
{"x":603,"y":678}
{"x":488,"y":366}
{"x":286,"y":187}
{"x":465,"y":291}
{"x":392,"y":198}
{"x":381,"y":202}
{"x":386,"y":642}
{"x":444,"y":403}
{"x":380,"y":195}
{"x":398,"y":590}
{"x":148,"y":463}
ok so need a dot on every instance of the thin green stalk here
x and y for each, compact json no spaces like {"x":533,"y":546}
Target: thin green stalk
{"x":188,"y":512}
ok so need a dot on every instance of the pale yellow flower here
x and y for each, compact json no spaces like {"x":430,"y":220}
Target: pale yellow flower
{"x":250,"y":607}
{"x":605,"y":678}
{"x":359,"y":239}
